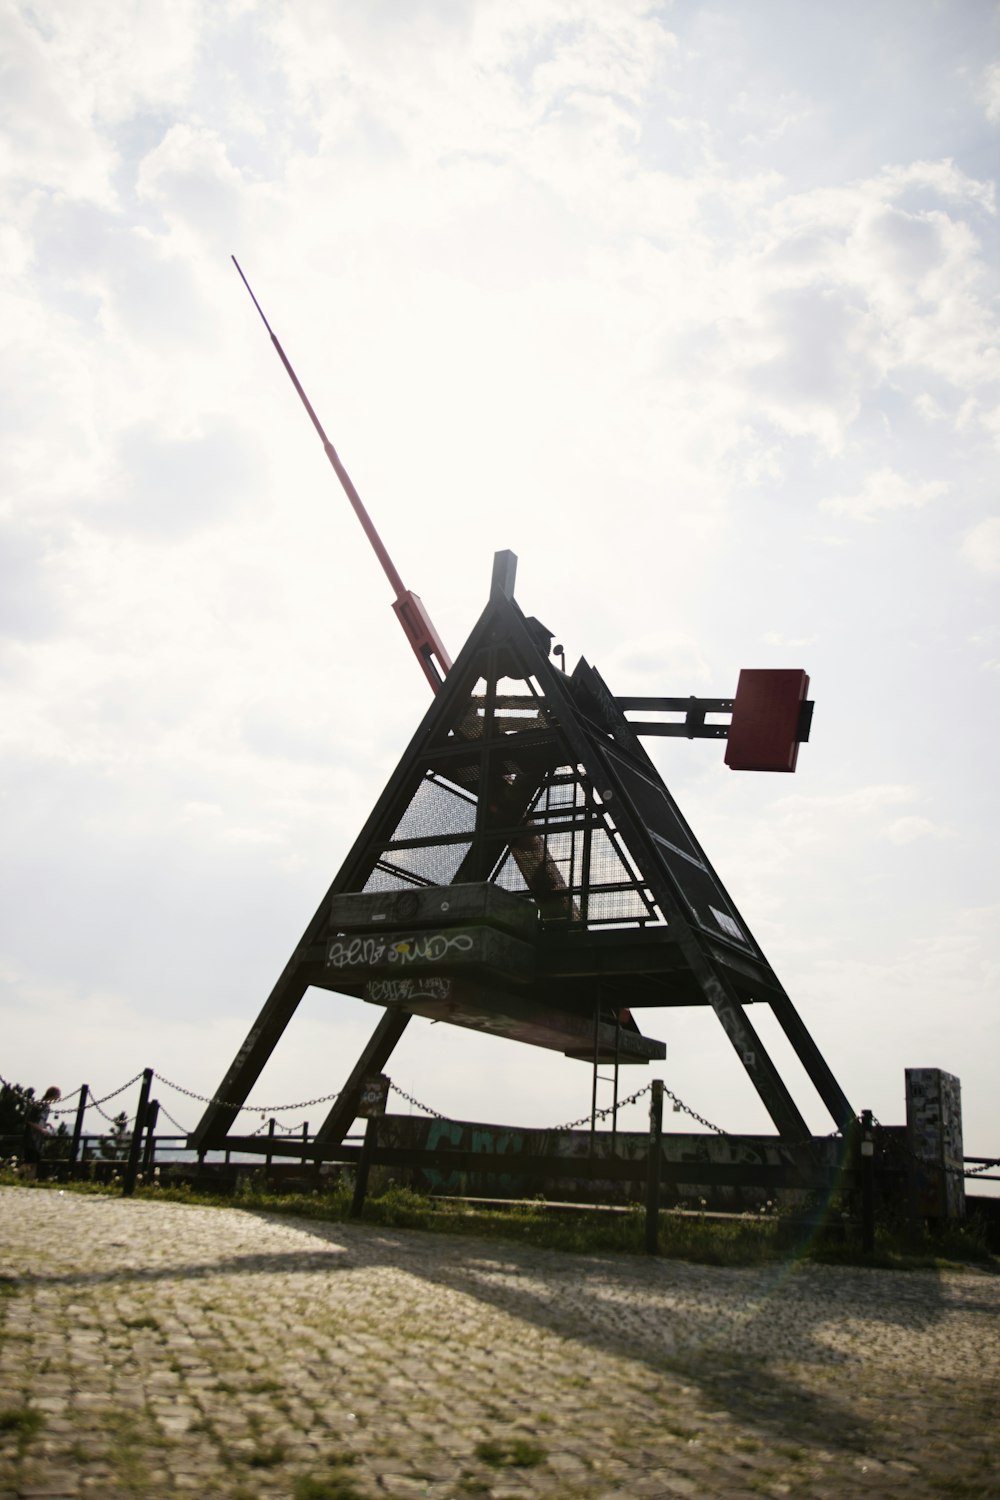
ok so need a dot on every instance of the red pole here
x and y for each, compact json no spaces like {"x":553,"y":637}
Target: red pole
{"x":424,"y":640}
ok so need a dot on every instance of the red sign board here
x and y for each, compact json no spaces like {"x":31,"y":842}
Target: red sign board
{"x":764,"y":732}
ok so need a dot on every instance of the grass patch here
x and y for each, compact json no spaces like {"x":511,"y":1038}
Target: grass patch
{"x":127,"y":1436}
{"x":678,"y":1430}
{"x":329,"y":1487}
{"x":736,"y":1241}
{"x":974,"y":1489}
{"x":21,"y":1421}
{"x":510,"y":1453}
{"x":269,"y":1457}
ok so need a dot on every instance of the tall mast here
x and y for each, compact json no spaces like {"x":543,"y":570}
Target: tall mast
{"x":424,"y":640}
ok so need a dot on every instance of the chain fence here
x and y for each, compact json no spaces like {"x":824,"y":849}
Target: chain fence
{"x":434,"y":1113}
{"x":925,"y":1162}
{"x":105,"y":1116}
{"x":268,"y":1111}
{"x":175,"y":1123}
{"x":264,"y":1109}
{"x":603,"y":1114}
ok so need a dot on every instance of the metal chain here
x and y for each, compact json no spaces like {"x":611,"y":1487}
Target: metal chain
{"x":120,"y":1090}
{"x":925,"y":1162}
{"x":95,"y":1103}
{"x":416,"y":1102}
{"x":269,"y":1109}
{"x":680,"y":1105}
{"x":104,"y":1114}
{"x":175,"y":1123}
{"x":67,"y":1108}
{"x":602,"y":1114}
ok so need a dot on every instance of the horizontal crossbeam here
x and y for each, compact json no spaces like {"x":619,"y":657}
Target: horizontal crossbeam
{"x":693,"y":725}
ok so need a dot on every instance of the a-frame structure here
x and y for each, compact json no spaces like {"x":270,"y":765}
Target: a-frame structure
{"x":527,"y":872}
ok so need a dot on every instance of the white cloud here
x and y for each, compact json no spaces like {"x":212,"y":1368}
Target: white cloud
{"x":905,"y":830}
{"x":47,"y":133}
{"x":116,"y":55}
{"x":776,"y":638}
{"x":991,"y":92}
{"x":661,"y":657}
{"x":981,"y":545}
{"x":898,"y":259}
{"x":882,"y":491}
{"x":190,"y":178}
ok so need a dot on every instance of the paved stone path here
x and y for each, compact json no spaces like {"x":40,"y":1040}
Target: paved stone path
{"x":166,"y":1348}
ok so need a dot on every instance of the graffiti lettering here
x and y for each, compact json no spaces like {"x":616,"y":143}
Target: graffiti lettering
{"x":391,"y":991}
{"x":432,"y":949}
{"x":470,"y":1138}
{"x":355,"y":953}
{"x":375,"y":952}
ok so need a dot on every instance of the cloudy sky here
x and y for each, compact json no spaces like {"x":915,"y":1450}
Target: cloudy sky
{"x":693,"y":306}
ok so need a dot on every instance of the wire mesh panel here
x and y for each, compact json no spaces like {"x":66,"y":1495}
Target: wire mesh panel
{"x":439,"y":808}
{"x":431,"y":839}
{"x":579,"y":838}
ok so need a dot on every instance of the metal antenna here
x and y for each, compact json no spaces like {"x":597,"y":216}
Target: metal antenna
{"x":424,"y":640}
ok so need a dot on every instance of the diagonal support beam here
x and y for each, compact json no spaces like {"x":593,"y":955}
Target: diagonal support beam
{"x":372,"y":1060}
{"x":755,"y":1059}
{"x":249,"y":1061}
{"x":813,"y":1061}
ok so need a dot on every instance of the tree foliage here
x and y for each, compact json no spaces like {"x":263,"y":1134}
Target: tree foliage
{"x":16,"y":1103}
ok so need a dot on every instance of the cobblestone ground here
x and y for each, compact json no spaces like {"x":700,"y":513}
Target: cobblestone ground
{"x":151,"y":1349}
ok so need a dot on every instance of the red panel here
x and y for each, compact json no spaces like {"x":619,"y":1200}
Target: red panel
{"x":762,"y":736}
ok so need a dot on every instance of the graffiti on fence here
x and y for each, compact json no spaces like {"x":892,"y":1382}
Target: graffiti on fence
{"x":743,"y":1153}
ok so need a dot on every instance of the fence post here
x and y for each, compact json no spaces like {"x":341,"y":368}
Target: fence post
{"x":654,"y":1162}
{"x":74,"y":1145}
{"x":270,"y":1136}
{"x":364,"y":1167}
{"x":867,"y":1183}
{"x":135,"y":1147}
{"x":152,"y":1115}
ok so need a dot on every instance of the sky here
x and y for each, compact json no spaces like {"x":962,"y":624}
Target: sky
{"x":692,"y":306}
